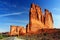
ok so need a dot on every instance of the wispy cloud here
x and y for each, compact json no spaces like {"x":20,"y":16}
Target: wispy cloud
{"x":19,"y":21}
{"x":16,"y":21}
{"x":8,"y":4}
{"x":3,"y":15}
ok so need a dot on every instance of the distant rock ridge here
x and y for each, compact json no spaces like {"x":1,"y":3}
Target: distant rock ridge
{"x":39,"y":21}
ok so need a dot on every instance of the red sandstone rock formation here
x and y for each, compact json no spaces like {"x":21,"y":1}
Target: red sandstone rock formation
{"x":17,"y":30}
{"x":27,"y":28}
{"x":39,"y":21}
{"x":36,"y":18}
{"x":48,"y":19}
{"x":21,"y":30}
{"x":13,"y":30}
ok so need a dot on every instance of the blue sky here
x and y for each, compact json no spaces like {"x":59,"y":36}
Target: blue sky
{"x":16,"y":12}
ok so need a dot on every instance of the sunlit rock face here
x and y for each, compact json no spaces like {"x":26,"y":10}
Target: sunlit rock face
{"x":21,"y":30}
{"x":38,"y":20}
{"x":13,"y":30}
{"x":17,"y":30}
{"x":48,"y":19}
{"x":35,"y":18}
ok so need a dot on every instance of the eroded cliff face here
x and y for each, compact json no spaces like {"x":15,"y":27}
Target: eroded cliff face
{"x":48,"y":19}
{"x":38,"y":20}
{"x":17,"y":30}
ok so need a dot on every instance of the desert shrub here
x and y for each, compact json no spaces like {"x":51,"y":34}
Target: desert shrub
{"x":3,"y":36}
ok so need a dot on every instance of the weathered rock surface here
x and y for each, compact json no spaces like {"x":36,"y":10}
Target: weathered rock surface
{"x":38,"y":20}
{"x":48,"y":19}
{"x":17,"y":30}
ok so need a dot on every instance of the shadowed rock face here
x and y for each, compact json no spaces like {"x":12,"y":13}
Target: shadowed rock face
{"x":27,"y":28}
{"x":39,"y":21}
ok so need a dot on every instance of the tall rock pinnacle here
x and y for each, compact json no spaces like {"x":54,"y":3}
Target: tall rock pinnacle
{"x":39,"y":21}
{"x":48,"y":19}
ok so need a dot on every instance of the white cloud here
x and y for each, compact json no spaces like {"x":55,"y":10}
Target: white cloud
{"x":16,"y":21}
{"x":10,"y":5}
{"x":20,"y":21}
{"x":11,"y":14}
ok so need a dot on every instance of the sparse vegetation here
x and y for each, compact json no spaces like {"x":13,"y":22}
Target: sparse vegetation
{"x":41,"y":36}
{"x":3,"y":36}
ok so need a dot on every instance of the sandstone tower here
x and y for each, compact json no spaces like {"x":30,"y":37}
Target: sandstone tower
{"x":48,"y":19}
{"x":37,"y":20}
